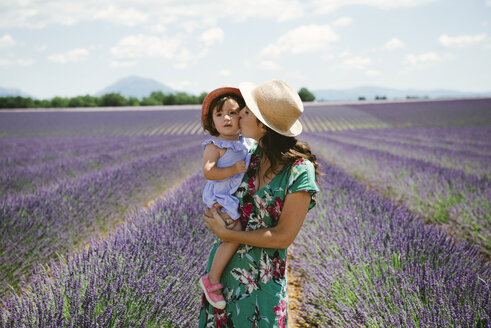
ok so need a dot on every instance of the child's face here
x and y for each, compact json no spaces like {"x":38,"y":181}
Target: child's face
{"x":226,"y":121}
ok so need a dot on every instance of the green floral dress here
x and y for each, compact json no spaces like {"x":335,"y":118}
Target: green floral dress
{"x":254,"y":280}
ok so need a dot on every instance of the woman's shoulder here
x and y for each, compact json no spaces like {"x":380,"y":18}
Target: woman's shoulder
{"x":303,"y":164}
{"x":302,"y":177}
{"x":302,"y":169}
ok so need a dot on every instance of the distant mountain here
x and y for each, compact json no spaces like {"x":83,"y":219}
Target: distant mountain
{"x":135,"y":86}
{"x":10,"y":92}
{"x":371,"y":92}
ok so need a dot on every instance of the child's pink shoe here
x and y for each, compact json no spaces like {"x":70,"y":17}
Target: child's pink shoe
{"x":214,"y":299}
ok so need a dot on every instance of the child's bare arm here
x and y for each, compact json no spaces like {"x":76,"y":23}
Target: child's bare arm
{"x":210,"y":169}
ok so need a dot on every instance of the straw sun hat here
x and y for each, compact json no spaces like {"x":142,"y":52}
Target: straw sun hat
{"x":275,"y":103}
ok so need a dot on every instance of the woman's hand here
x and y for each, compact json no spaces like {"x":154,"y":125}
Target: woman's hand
{"x":214,"y":222}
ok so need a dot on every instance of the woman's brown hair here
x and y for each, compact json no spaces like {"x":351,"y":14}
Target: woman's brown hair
{"x":282,"y":150}
{"x":218,"y":104}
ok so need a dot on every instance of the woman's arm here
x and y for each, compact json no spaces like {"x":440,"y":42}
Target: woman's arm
{"x":281,"y":236}
{"x":210,"y":169}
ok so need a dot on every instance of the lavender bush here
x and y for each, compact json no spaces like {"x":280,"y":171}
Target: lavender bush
{"x":380,"y":115}
{"x":443,"y":113}
{"x":143,"y":274}
{"x":366,"y":262}
{"x":30,"y":163}
{"x":464,"y":149}
{"x":57,"y":219}
{"x":457,"y":201}
{"x":363,"y":261}
{"x":98,"y":122}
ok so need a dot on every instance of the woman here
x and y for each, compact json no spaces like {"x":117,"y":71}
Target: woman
{"x":275,"y":195}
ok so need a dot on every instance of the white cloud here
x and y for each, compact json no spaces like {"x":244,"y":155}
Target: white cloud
{"x":180,"y":85}
{"x":157,"y":28}
{"x":461,"y":40}
{"x":39,"y":14}
{"x":126,"y":16}
{"x":357,"y":62}
{"x":268,"y":65}
{"x":488,"y":3}
{"x":184,"y":57}
{"x":7,"y":41}
{"x":344,"y":54}
{"x":189,"y":26}
{"x":424,"y":59}
{"x":393,"y":44}
{"x":303,"y":39}
{"x":372,"y":72}
{"x":16,"y":62}
{"x":323,"y":7}
{"x":343,"y":21}
{"x":42,"y":48}
{"x":72,"y":56}
{"x":212,"y":36}
{"x":121,"y":63}
{"x":225,"y":72}
{"x":140,"y":46}
{"x":133,"y":48}
{"x":279,"y":10}
{"x":328,"y":57}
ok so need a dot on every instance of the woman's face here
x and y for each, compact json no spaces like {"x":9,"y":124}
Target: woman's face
{"x":249,"y":126}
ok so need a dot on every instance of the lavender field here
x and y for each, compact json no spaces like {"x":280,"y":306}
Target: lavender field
{"x":100,"y":217}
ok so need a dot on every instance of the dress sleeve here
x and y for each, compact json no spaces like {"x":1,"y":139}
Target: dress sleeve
{"x":302,"y":178}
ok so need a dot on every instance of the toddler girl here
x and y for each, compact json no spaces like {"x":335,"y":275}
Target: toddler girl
{"x":225,"y":159}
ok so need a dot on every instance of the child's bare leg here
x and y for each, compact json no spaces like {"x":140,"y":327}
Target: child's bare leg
{"x":222,"y":256}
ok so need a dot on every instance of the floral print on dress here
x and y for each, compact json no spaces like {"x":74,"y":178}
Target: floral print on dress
{"x":280,"y":311}
{"x":254,"y":280}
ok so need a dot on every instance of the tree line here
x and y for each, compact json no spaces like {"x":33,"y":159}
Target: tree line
{"x":156,"y":98}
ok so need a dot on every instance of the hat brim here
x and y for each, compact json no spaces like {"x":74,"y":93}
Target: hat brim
{"x":246,"y":89}
{"x":205,"y":107}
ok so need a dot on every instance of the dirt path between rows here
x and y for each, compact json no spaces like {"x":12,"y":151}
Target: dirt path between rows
{"x":295,"y":294}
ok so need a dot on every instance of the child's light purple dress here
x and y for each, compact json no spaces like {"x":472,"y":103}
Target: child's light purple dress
{"x":222,"y":191}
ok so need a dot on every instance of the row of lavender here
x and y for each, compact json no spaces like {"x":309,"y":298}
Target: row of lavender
{"x":366,"y":262}
{"x":443,"y":179}
{"x":142,"y":275}
{"x":98,"y":122}
{"x":31,"y":163}
{"x":363,"y":262}
{"x":169,"y":120}
{"x":464,"y":148}
{"x":59,"y":212}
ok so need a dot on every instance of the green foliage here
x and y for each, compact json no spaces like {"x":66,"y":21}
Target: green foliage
{"x":156,"y":98}
{"x":150,"y":101}
{"x":112,"y":100}
{"x":59,"y":102}
{"x":306,"y":95}
{"x":202,"y":97}
{"x":76,"y":102}
{"x":90,"y":101}
{"x":133,"y":101}
{"x":16,"y":102}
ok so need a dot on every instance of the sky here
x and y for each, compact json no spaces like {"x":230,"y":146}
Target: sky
{"x":69,"y":48}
